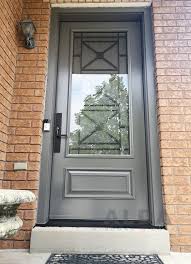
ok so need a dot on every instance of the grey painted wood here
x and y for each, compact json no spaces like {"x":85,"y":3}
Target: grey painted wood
{"x":132,"y":14}
{"x":47,"y":144}
{"x":94,"y":184}
{"x":153,"y":153}
{"x":101,"y":208}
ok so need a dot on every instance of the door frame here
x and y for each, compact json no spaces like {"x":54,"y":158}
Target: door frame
{"x":152,"y":140}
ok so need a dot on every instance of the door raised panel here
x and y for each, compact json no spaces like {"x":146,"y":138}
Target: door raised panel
{"x":99,"y":184}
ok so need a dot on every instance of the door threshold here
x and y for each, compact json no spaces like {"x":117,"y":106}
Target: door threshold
{"x":92,"y":240}
{"x":104,"y":224}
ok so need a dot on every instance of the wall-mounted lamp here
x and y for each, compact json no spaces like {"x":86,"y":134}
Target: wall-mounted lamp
{"x":28,"y":29}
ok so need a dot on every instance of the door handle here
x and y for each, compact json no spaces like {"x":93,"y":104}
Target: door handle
{"x":57,"y":132}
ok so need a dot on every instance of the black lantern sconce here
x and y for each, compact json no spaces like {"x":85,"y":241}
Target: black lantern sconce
{"x":28,"y":29}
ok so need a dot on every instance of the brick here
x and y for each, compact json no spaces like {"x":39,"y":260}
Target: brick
{"x":17,"y":156}
{"x":35,"y":140}
{"x":168,"y":189}
{"x":181,"y":210}
{"x":33,"y":175}
{"x":33,"y":165}
{"x":184,"y":229}
{"x":20,"y":123}
{"x":183,"y":189}
{"x":176,"y":43}
{"x":6,"y":184}
{"x":4,"y":244}
{"x":22,"y":107}
{"x":182,"y":171}
{"x":28,"y":224}
{"x":172,"y":127}
{"x":24,"y":92}
{"x":172,"y":57}
{"x":181,"y":153}
{"x":21,"y":244}
{"x":28,"y":185}
{"x":34,"y":157}
{"x":28,"y":206}
{"x":163,"y":10}
{"x":173,"y":229}
{"x":27,"y":148}
{"x":180,"y":240}
{"x":30,"y":115}
{"x":29,"y":214}
{"x":20,"y":175}
{"x":178,"y":199}
{"x":19,"y":139}
{"x":175,"y":162}
{"x":171,"y":119}
{"x":159,"y":36}
{"x":185,"y":249}
{"x":169,"y":209}
{"x":175,"y":248}
{"x":171,"y":110}
{"x":27,"y":100}
{"x":22,"y":235}
{"x":28,"y":131}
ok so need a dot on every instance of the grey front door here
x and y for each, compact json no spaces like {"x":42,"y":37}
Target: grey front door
{"x":100,"y":171}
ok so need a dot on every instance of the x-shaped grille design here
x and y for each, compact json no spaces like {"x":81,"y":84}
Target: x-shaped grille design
{"x":102,"y":126}
{"x":100,"y":55}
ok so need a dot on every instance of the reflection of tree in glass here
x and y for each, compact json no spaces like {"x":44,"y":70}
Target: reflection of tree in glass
{"x":103,"y":123}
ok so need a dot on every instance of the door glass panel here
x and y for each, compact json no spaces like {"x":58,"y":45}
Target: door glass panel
{"x":99,"y":116}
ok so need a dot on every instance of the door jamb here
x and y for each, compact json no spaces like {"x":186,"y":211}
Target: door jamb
{"x":153,"y":154}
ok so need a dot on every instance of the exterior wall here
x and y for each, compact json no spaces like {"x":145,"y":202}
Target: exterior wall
{"x":172,"y":34}
{"x":172,"y":37}
{"x":27,"y":112}
{"x":10,"y":13}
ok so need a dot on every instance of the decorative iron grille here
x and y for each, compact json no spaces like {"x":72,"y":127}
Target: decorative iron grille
{"x":96,"y":52}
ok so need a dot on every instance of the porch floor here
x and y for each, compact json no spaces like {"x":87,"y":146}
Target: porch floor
{"x":23,"y":257}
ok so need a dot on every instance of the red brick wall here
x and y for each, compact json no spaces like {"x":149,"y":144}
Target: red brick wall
{"x":27,"y":112}
{"x":10,"y":14}
{"x":172,"y":34}
{"x":172,"y":37}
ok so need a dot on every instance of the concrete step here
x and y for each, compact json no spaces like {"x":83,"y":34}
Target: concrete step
{"x":99,"y":240}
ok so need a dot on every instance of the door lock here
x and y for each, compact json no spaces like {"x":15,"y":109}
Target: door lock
{"x":57,"y":132}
